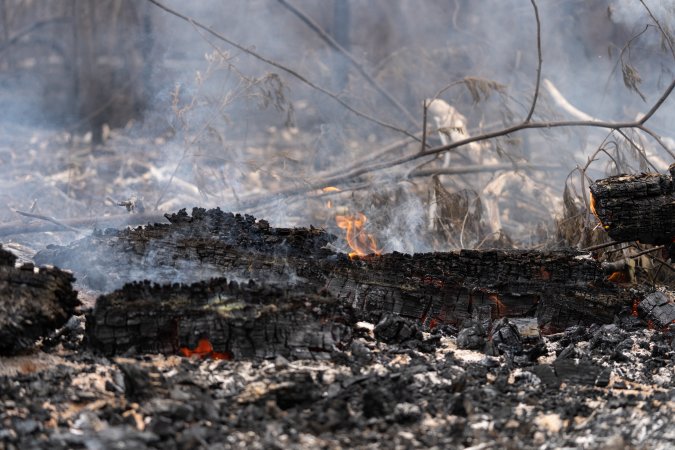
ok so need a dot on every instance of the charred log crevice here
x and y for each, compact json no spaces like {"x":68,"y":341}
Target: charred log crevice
{"x":560,"y":289}
{"x":637,"y":207}
{"x":33,"y":303}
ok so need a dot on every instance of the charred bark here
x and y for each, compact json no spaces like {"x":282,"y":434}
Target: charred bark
{"x":637,"y":207}
{"x":560,"y":289}
{"x":219,"y":319}
{"x":33,"y":303}
{"x":204,"y":245}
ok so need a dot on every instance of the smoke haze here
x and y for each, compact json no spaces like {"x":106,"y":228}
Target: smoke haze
{"x":197,"y":122}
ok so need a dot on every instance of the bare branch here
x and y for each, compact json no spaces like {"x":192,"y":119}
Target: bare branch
{"x":539,"y":61}
{"x":283,"y":68}
{"x":665,"y":34}
{"x":328,"y":39}
{"x":120,"y":220}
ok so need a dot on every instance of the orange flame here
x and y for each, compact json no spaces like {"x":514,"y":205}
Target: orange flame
{"x":204,"y":350}
{"x":359,"y":241}
{"x":330,"y":189}
{"x":595,"y":213}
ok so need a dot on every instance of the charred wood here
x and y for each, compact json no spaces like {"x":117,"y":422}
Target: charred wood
{"x":218,"y":319}
{"x":637,"y":207}
{"x":560,"y":289}
{"x":33,"y":303}
{"x":203,"y":245}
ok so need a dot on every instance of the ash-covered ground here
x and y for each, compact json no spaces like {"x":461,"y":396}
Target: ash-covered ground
{"x":609,"y":387}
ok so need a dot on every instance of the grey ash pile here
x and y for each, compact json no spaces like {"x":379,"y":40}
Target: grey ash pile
{"x":605,"y":386}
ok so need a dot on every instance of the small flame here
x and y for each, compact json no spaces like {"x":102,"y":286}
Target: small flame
{"x":359,"y":241}
{"x":204,"y":350}
{"x":330,"y":189}
{"x":595,"y":213}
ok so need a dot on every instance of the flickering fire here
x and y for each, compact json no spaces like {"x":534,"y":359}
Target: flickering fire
{"x":593,"y":206}
{"x":330,"y":189}
{"x":204,"y":350}
{"x":359,"y":241}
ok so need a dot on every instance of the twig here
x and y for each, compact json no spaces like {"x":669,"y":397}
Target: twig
{"x":644,"y":252}
{"x":424,"y":124}
{"x":483,"y":168}
{"x":539,"y":61}
{"x":599,"y":246}
{"x":283,"y":68}
{"x":48,"y":219}
{"x":18,"y":227}
{"x":664,"y":263}
{"x":328,"y":39}
{"x":665,"y":35}
{"x":657,"y":105}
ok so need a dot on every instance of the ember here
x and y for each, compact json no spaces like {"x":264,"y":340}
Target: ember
{"x":361,"y":242}
{"x":204,"y":350}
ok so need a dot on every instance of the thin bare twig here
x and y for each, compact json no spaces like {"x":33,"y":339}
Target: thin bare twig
{"x":424,"y":125}
{"x":599,"y":246}
{"x":47,"y":219}
{"x":665,"y":35}
{"x":644,"y":252}
{"x":119,"y":220}
{"x":656,"y":106}
{"x":283,"y":68}
{"x":328,"y":39}
{"x":539,"y":61}
{"x":483,"y":168}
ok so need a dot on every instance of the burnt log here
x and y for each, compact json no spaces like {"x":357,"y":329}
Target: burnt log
{"x":33,"y":303}
{"x":559,"y":289}
{"x":637,"y":207}
{"x":219,"y":319}
{"x":193,"y":247}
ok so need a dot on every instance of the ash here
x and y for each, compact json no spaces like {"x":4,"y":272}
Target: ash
{"x":608,"y":387}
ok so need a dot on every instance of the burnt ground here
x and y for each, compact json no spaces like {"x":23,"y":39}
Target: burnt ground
{"x":608,"y":387}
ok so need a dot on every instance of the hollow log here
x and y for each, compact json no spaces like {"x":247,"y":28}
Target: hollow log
{"x":33,"y":303}
{"x":637,"y":207}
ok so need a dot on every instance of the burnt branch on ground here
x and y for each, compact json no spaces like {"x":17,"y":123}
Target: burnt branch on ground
{"x":33,"y":303}
{"x":559,"y":289}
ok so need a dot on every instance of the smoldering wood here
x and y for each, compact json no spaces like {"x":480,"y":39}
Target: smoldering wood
{"x":637,"y":207}
{"x":239,"y":320}
{"x":560,"y":289}
{"x":33,"y":303}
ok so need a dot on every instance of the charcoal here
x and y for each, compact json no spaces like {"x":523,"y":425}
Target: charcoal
{"x":658,"y":309}
{"x":506,"y":337}
{"x":33,"y":303}
{"x":636,"y":207}
{"x":472,"y":337}
{"x":395,"y":329}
